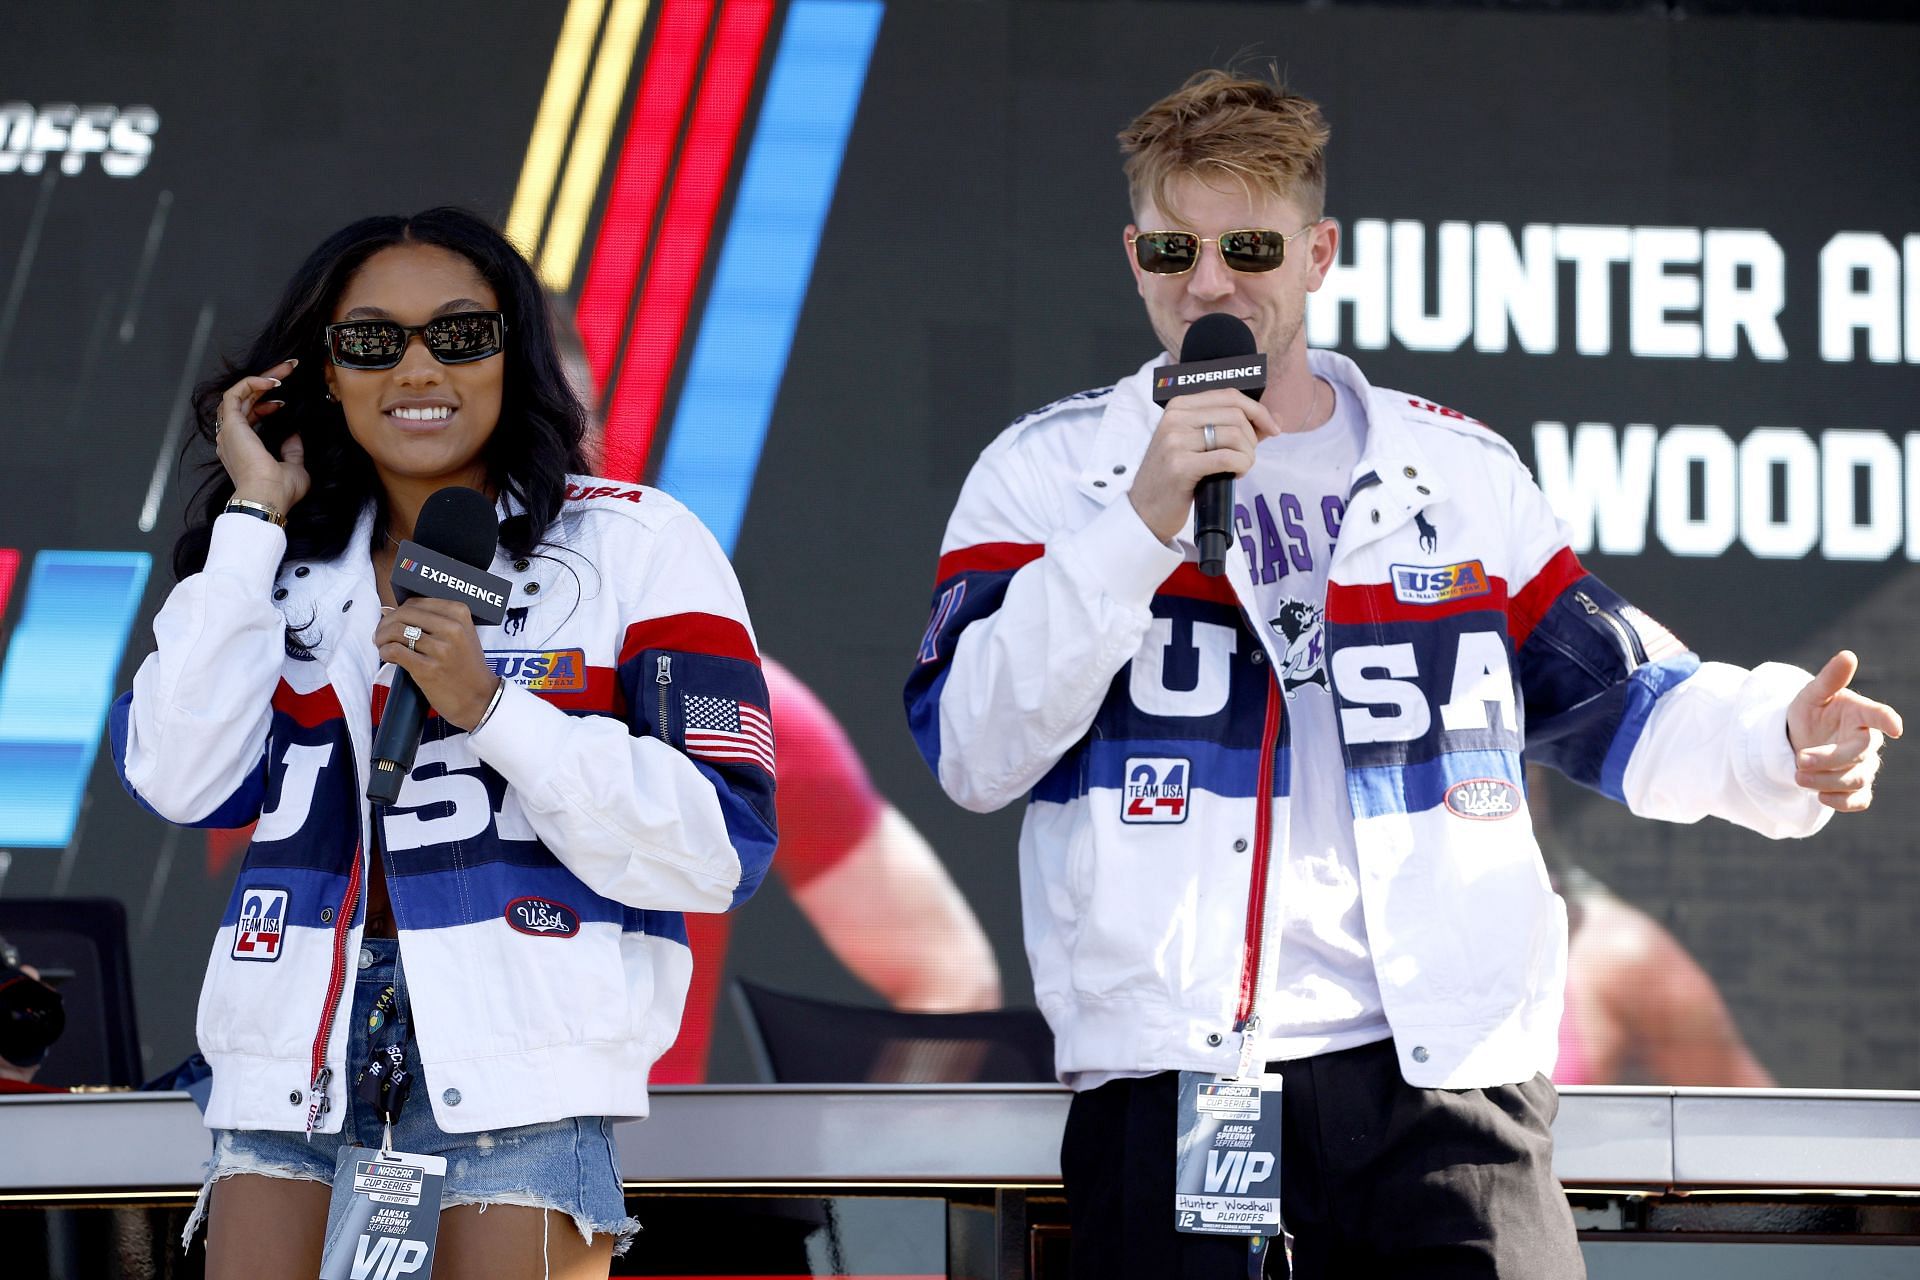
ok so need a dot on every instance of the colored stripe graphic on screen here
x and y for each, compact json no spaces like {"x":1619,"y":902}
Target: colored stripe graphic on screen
{"x":680,"y":250}
{"x":57,"y":684}
{"x":552,"y":124}
{"x":666,"y":82}
{"x":753,"y":309}
{"x":581,"y":182}
{"x":9,"y":565}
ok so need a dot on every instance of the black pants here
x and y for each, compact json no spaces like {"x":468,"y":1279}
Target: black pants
{"x":1377,"y":1178}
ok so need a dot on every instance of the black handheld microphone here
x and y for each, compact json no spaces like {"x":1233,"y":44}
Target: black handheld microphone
{"x":1213,"y":339}
{"x":456,"y":534}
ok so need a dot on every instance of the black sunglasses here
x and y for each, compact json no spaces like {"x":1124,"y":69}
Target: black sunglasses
{"x":1174,"y":253}
{"x":459,"y":338}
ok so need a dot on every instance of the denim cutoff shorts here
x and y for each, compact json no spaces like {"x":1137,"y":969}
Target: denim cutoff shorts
{"x":569,"y":1166}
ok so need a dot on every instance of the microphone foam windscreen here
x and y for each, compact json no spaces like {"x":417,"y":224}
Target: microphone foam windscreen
{"x":1216,"y":336}
{"x":459,"y":522}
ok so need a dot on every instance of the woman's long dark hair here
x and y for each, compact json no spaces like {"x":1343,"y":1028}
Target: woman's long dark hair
{"x":534,"y":446}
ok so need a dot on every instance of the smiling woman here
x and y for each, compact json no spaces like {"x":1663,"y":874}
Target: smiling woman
{"x":504,"y":944}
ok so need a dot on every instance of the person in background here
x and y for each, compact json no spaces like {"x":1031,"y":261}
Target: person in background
{"x":1640,"y":1009}
{"x":862,"y":875}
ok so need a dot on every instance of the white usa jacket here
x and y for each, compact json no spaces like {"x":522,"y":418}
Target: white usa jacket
{"x":1075,"y":659}
{"x":537,"y":869}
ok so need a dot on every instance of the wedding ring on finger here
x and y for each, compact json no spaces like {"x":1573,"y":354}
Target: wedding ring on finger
{"x":1207,"y":437}
{"x":411,"y":634}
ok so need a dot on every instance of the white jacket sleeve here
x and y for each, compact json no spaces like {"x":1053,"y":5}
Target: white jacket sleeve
{"x":1030,"y":626}
{"x":626,"y":806}
{"x":188,"y":740}
{"x":1616,"y":702}
{"x":1717,"y":744}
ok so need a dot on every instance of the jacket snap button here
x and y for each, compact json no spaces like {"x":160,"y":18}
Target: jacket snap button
{"x":293,"y":1099}
{"x":1423,"y":489}
{"x":326,"y":915}
{"x":1376,"y":517}
{"x":1099,"y":484}
{"x":366,"y":958}
{"x":1214,"y":1038}
{"x":1120,"y":470}
{"x":520,"y":566}
{"x":348,"y":605}
{"x":1420,"y":1053}
{"x":451,"y":1097}
{"x":302,"y":571}
{"x":1411,"y":473}
{"x":533,"y":588}
{"x":1259,"y":657}
{"x":1240,"y":845}
{"x":279,"y":593}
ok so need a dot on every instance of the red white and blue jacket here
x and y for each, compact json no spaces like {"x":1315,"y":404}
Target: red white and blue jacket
{"x":1074,"y":659}
{"x":538,"y":868}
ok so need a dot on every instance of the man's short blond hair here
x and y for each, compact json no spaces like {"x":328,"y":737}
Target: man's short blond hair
{"x":1220,"y":124}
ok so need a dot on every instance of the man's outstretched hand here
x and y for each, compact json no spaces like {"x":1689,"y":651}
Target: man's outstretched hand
{"x":1836,"y":736}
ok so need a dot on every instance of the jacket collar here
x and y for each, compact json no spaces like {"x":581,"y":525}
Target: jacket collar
{"x":1393,"y":465}
{"x":320,"y":588}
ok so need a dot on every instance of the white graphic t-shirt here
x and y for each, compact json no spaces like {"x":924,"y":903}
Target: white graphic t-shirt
{"x":1318,"y":993}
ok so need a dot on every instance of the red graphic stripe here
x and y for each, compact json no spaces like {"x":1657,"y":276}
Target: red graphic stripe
{"x":987,"y":557}
{"x":614,"y":269}
{"x":1377,"y":603}
{"x":1189,"y":582}
{"x":1531,"y":602}
{"x":309,"y":710}
{"x":685,"y":230}
{"x":690,"y":633}
{"x":9,"y":566}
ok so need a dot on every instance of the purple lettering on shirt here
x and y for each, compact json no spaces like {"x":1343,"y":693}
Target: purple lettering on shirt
{"x":1273,"y":552}
{"x":1291,"y":517}
{"x":1243,"y":526}
{"x":1333,"y":509}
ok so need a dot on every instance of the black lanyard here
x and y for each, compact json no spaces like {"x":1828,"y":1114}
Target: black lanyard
{"x":384,"y":1082}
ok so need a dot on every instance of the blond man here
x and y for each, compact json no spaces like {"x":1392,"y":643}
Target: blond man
{"x":1329,"y":878}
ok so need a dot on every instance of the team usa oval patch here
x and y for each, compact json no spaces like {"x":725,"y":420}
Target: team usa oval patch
{"x":543,"y":917}
{"x":1484,"y":799}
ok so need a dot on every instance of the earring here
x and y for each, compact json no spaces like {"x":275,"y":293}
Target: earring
{"x":330,"y":397}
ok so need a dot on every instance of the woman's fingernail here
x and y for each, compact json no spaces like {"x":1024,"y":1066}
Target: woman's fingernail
{"x":292,"y":362}
{"x":274,"y":381}
{"x":281,"y":403}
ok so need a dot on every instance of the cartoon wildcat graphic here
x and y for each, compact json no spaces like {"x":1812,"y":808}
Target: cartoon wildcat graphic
{"x":1299,"y":623}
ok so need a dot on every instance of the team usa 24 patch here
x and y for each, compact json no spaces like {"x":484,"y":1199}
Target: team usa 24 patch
{"x":1156,"y":790}
{"x":262,"y":925}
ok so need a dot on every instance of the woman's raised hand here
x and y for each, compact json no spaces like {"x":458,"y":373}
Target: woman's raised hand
{"x":257,"y":475}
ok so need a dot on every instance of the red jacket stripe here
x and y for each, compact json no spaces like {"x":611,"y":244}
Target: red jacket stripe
{"x":690,"y":633}
{"x":1530,"y":604}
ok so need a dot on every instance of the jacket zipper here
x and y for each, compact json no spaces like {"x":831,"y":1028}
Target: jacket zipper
{"x":663,"y":676}
{"x":1628,"y":648}
{"x":320,"y":1074}
{"x":1247,"y":1018}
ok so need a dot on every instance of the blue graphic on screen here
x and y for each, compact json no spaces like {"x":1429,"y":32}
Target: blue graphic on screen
{"x":57,"y":684}
{"x":772,"y":237}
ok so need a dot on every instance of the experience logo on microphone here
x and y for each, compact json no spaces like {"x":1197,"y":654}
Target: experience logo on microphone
{"x":1242,"y":373}
{"x":428,"y":573}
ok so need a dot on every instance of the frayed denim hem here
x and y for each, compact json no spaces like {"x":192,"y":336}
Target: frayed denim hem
{"x":233,"y":1164}
{"x":623,"y":1230}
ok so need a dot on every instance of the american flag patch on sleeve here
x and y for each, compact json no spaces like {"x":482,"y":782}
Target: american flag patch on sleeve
{"x":727,"y":731}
